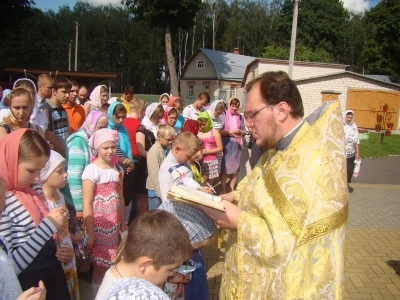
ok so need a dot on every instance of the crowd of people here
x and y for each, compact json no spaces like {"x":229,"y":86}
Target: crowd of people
{"x":85,"y":181}
{"x":85,"y":166}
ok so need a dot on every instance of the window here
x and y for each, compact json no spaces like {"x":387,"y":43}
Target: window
{"x":200,"y":64}
{"x":190,"y":89}
{"x":206,"y":87}
{"x":232,"y":93}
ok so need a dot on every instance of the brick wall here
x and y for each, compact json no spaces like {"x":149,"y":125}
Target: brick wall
{"x":310,"y":90}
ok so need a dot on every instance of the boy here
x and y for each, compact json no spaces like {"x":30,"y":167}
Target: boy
{"x":155,"y":246}
{"x":199,"y":226}
{"x":75,"y":112}
{"x":155,"y":157}
{"x":58,"y":127}
{"x":191,"y":111}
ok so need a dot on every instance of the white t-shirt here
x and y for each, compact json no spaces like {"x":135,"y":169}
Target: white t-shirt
{"x":189,"y":112}
{"x":106,"y":284}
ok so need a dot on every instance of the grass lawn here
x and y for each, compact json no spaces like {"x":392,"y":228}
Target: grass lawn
{"x":373,"y":147}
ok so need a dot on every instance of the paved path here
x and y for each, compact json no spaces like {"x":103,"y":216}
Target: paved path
{"x":372,"y":247}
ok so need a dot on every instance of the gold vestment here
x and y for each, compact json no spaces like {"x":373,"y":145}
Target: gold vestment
{"x":290,"y":238}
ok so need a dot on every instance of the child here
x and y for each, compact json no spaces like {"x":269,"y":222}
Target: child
{"x":155,"y":157}
{"x":53,"y":177}
{"x":103,"y":203}
{"x":193,"y":127}
{"x":199,"y":226}
{"x":170,"y":117}
{"x":26,"y":223}
{"x":155,"y":246}
{"x":212,"y":145}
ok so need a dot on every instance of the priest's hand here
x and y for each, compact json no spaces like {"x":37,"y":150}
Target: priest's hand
{"x":227,"y":219}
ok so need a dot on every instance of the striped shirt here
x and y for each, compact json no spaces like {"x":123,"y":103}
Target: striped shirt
{"x":58,"y":122}
{"x":18,"y":229}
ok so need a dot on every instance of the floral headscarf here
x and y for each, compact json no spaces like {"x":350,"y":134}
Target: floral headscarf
{"x":91,"y":122}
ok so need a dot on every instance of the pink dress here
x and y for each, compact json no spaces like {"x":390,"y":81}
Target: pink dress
{"x":106,"y":213}
{"x":210,"y":165}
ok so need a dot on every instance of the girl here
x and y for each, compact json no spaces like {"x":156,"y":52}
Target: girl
{"x":212,"y":145}
{"x":176,"y":102}
{"x":352,"y":144}
{"x":164,"y":98}
{"x":116,"y":114}
{"x":4,"y":102}
{"x":26,"y":223}
{"x":151,"y":120}
{"x":9,"y":285}
{"x":98,"y":98}
{"x":170,"y":117}
{"x":232,"y":134}
{"x":217,"y":113}
{"x":21,"y":104}
{"x":103,"y":203}
{"x":53,"y":177}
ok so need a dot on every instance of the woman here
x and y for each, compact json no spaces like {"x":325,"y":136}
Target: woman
{"x":26,"y":222}
{"x":116,"y":114}
{"x":216,"y":111}
{"x":176,"y":102}
{"x":151,"y":120}
{"x":98,"y":98}
{"x":232,"y":134}
{"x":21,"y":105}
{"x":352,"y":144}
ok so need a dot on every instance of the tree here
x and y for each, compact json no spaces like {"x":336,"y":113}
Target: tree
{"x":321,"y":24}
{"x":303,"y":53}
{"x":12,"y":12}
{"x":168,"y":15}
{"x":382,"y":53}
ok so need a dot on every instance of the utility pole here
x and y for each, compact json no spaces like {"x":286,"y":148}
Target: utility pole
{"x":293,"y":40}
{"x":69,"y":56}
{"x":76,"y":45}
{"x":213,"y":24}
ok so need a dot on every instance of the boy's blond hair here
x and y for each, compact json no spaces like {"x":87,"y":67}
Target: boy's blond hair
{"x":137,"y":104}
{"x":158,"y":235}
{"x":165,"y":131}
{"x":187,"y":141}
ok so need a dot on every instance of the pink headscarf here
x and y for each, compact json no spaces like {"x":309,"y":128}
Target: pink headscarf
{"x":101,"y":136}
{"x":232,"y":122}
{"x":164,"y":119}
{"x":33,"y":202}
{"x":91,"y":122}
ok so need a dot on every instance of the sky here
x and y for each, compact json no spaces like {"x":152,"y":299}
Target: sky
{"x":354,"y":5}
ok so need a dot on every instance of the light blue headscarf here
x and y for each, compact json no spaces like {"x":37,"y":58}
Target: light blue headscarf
{"x":6,"y":92}
{"x":124,"y":141}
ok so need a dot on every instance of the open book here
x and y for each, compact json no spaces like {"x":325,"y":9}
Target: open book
{"x":184,"y":194}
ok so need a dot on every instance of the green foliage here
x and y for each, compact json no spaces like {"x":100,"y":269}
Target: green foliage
{"x":11,"y":11}
{"x":302,"y":53}
{"x":321,"y":25}
{"x":382,"y":53}
{"x":178,"y":14}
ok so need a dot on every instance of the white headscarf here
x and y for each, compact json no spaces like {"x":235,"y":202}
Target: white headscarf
{"x":345,"y":115}
{"x":54,"y":161}
{"x":35,"y":102}
{"x":146,"y":122}
{"x":217,"y":121}
{"x":95,"y":96}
